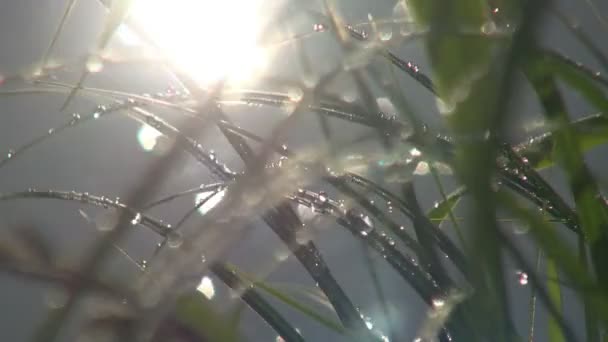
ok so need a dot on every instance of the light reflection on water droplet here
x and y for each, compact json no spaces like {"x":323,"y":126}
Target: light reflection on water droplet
{"x":522,"y":278}
{"x":206,"y":287}
{"x":136,"y":219}
{"x":148,"y":136}
{"x":386,"y":33}
{"x":438,"y":302}
{"x":210,"y":202}
{"x":488,"y":27}
{"x":319,"y":27}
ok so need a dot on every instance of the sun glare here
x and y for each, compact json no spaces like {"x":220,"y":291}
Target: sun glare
{"x":208,"y":39}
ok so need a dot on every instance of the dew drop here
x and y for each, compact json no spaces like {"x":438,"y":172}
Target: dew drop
{"x":10,"y":154}
{"x":438,"y":302}
{"x":206,"y":287}
{"x":522,"y":278}
{"x":175,"y":240}
{"x":136,"y":219}
{"x":488,"y":27}
{"x":143,"y":264}
{"x":386,"y":33}
{"x":319,"y":27}
{"x":75,"y":118}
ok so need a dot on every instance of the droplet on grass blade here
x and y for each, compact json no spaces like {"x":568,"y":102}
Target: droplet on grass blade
{"x":175,"y":239}
{"x":206,"y":287}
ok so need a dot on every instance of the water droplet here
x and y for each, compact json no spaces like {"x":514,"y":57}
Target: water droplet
{"x":211,"y":199}
{"x":206,"y":287}
{"x":175,"y":239}
{"x":10,"y":153}
{"x":368,"y":322}
{"x":319,"y":27}
{"x":143,"y":264}
{"x":522,"y":278}
{"x":488,"y":27}
{"x":51,"y":131}
{"x":438,"y":302}
{"x":96,"y":115}
{"x":495,"y":10}
{"x":147,"y":136}
{"x":422,"y":169}
{"x":75,"y":118}
{"x":136,"y":219}
{"x":386,"y":33}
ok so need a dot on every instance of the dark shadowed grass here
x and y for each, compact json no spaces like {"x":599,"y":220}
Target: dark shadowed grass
{"x":476,"y":49}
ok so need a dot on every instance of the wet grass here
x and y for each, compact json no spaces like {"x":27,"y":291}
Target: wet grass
{"x":477,"y":49}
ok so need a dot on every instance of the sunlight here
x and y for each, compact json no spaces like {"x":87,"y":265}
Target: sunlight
{"x":207,"y":39}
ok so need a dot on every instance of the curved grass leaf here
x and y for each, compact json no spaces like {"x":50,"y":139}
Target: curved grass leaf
{"x":441,"y":210}
{"x":592,"y":131}
{"x":289,"y":300}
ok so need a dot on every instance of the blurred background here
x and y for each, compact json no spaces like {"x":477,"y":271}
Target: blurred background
{"x":108,"y":156}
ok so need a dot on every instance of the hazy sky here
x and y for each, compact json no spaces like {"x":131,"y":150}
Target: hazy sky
{"x":104,"y":158}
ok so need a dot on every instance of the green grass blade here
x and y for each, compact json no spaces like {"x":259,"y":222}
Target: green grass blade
{"x":592,"y":212}
{"x":289,"y":300}
{"x":581,"y":79}
{"x":555,"y":294}
{"x":584,"y":38}
{"x":195,"y":311}
{"x":592,"y":131}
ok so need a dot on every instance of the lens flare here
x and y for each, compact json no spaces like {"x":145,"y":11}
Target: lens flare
{"x":208,"y":39}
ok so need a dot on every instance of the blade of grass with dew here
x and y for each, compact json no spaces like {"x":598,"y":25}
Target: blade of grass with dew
{"x":284,"y":222}
{"x":583,"y":37}
{"x":232,"y":277}
{"x":557,"y":249}
{"x":555,"y":294}
{"x":461,"y":66}
{"x":445,"y":208}
{"x":593,"y":214}
{"x":290,"y":301}
{"x":429,"y":253}
{"x":118,"y":12}
{"x":592,"y":131}
{"x":582,"y":80}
